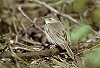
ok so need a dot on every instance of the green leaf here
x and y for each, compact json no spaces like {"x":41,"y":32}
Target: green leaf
{"x":61,"y":64}
{"x":33,"y":66}
{"x":68,"y":30}
{"x":80,"y":5}
{"x":2,"y":46}
{"x":93,"y":57}
{"x":19,"y":58}
{"x":96,"y":14}
{"x":79,"y":32}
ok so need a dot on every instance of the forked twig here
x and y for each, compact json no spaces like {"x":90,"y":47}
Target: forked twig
{"x":32,"y":21}
{"x":56,"y":11}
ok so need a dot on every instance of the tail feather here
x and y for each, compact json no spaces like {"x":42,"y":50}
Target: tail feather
{"x":69,"y":51}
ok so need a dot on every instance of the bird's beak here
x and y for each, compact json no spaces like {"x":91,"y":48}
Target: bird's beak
{"x":45,"y":19}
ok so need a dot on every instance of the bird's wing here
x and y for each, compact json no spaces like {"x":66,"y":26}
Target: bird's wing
{"x":57,"y":32}
{"x":57,"y":35}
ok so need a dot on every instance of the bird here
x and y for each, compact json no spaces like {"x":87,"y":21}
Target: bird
{"x":56,"y":33}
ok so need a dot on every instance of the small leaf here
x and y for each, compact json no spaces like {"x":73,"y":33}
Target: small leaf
{"x":68,"y":30}
{"x":96,"y":14}
{"x":93,"y":57}
{"x":79,"y":32}
{"x":17,"y":57}
{"x":2,"y":46}
{"x":80,"y":5}
{"x":60,"y":64}
{"x":33,"y":66}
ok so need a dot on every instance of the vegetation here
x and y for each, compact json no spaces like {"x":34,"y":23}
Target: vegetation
{"x":24,"y":45}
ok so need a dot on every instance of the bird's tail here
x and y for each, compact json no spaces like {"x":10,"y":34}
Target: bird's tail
{"x":69,"y":51}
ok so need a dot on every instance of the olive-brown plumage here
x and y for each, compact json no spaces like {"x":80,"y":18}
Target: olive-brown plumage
{"x":56,"y":33}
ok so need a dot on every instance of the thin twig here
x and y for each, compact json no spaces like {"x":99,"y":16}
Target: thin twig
{"x":23,"y":27}
{"x":34,"y":54}
{"x":14,"y":23}
{"x":17,"y":63}
{"x":15,"y":27}
{"x":23,"y":48}
{"x":32,"y":21}
{"x":88,"y":43}
{"x":19,"y":8}
{"x":56,"y":11}
{"x":29,"y":41}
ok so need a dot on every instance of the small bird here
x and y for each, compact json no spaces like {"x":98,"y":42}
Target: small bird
{"x":56,"y":33}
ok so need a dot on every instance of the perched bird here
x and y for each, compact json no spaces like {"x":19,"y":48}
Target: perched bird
{"x":56,"y":33}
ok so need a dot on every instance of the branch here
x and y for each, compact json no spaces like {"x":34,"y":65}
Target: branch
{"x":56,"y":11}
{"x":34,"y":54}
{"x":33,"y":22}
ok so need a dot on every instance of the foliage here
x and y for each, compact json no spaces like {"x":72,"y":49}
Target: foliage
{"x":27,"y":36}
{"x":92,"y":58}
{"x":79,"y":32}
{"x":96,"y":14}
{"x":80,"y":5}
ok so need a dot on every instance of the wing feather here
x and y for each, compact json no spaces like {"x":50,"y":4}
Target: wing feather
{"x":57,"y":34}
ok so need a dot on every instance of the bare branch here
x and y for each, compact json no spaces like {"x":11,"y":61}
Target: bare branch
{"x":32,"y":21}
{"x":56,"y":11}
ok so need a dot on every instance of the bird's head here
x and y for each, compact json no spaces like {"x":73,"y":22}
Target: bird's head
{"x":50,"y":19}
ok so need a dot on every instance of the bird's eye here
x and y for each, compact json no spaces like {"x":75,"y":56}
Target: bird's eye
{"x":50,"y":19}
